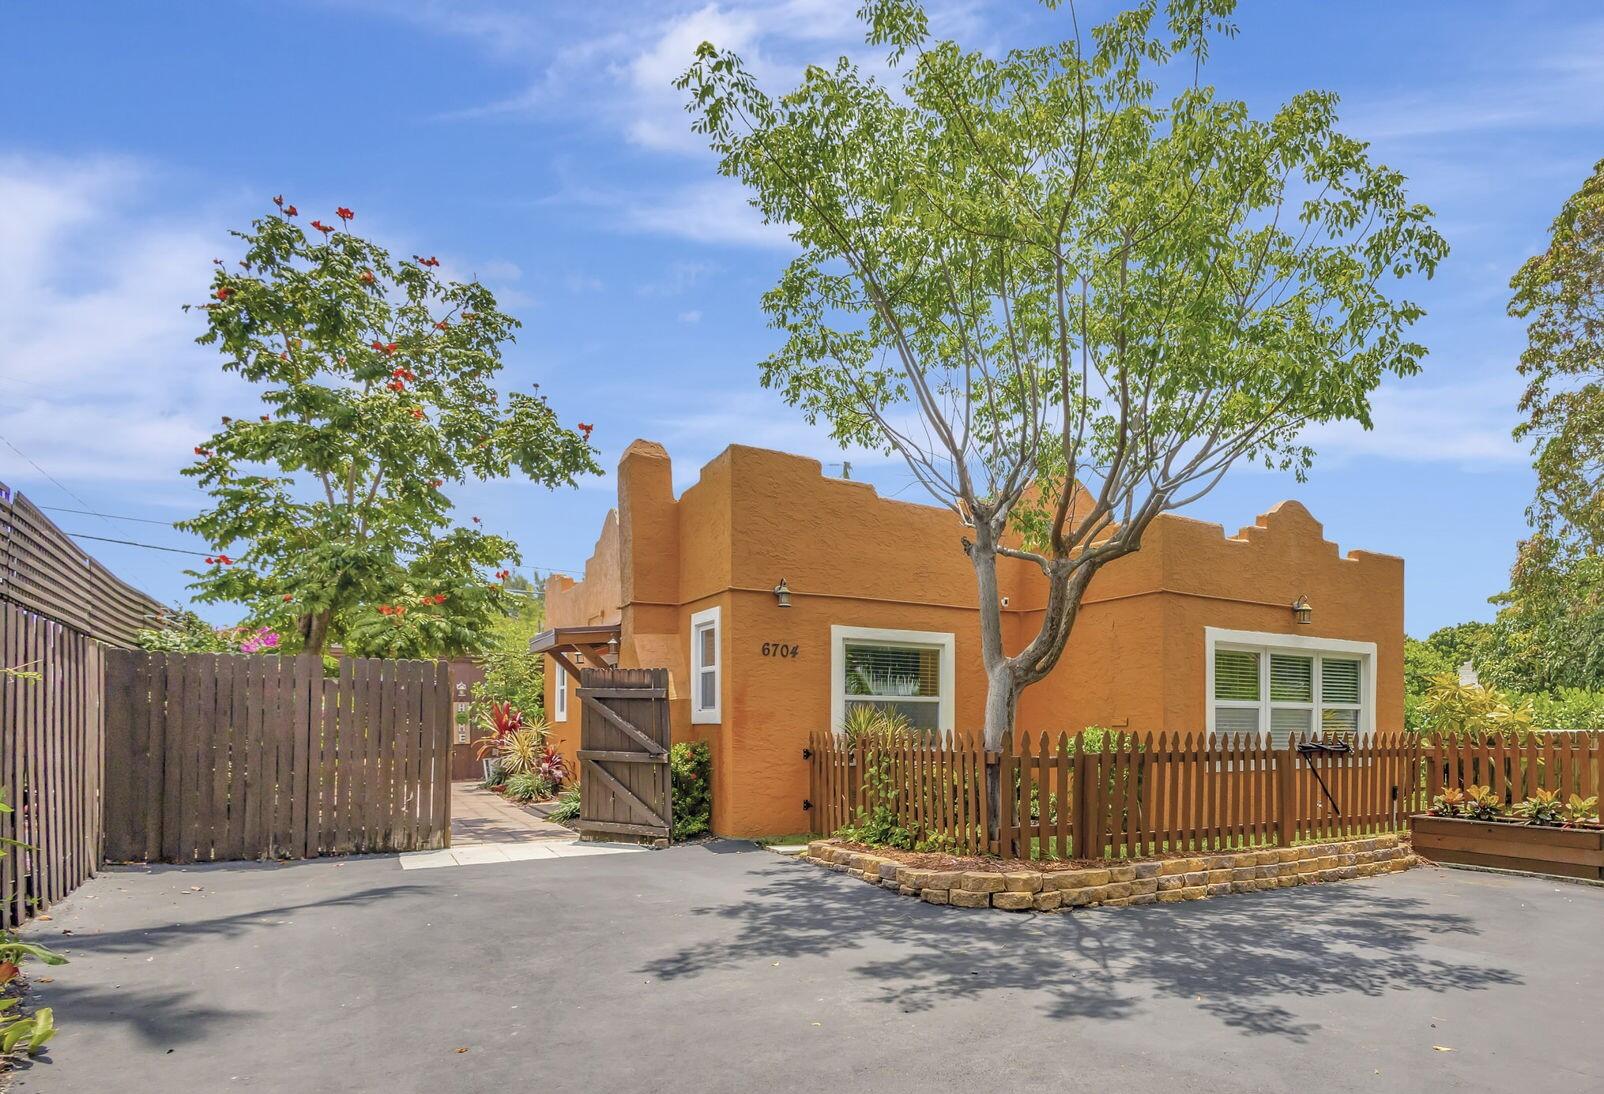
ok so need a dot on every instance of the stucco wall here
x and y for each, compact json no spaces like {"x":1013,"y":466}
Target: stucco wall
{"x":1136,"y":657}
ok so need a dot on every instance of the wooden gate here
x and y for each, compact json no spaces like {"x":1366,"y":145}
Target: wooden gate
{"x":623,"y":753}
{"x":211,"y":757}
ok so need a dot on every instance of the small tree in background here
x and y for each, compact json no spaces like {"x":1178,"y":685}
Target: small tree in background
{"x":376,"y":379}
{"x":1067,"y":305}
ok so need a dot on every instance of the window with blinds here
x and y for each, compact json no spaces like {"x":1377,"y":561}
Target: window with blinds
{"x":705,"y":666}
{"x":1284,"y":693}
{"x":903,"y":679}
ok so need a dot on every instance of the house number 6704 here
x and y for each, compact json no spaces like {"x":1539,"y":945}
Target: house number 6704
{"x":781,"y":649}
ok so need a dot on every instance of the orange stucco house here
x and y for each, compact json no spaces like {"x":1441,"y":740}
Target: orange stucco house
{"x":1195,"y":631}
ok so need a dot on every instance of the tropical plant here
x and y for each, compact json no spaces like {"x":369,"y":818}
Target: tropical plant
{"x":527,"y":786}
{"x":566,"y":811}
{"x":1450,"y":803}
{"x":1542,"y":807}
{"x":1482,"y":804}
{"x":1579,"y":810}
{"x":866,"y":722}
{"x":1068,"y":306}
{"x":690,"y":765}
{"x":551,"y":767}
{"x":377,"y":378}
{"x":1453,"y":708}
{"x":28,"y":1032}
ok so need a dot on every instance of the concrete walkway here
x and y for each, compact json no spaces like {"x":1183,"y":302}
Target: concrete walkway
{"x":480,"y":816}
{"x":718,"y":968}
{"x":486,"y":828}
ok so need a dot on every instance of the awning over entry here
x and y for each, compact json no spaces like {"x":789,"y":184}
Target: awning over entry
{"x":597,"y":644}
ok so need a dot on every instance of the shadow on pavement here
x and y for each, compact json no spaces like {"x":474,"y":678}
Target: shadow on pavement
{"x":1237,"y":958}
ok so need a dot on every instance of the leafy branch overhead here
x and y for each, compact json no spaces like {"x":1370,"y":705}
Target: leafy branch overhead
{"x":377,"y":379}
{"x":1068,"y":304}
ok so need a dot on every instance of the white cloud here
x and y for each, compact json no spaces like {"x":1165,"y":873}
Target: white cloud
{"x":94,"y":346}
{"x":681,"y":276}
{"x":692,"y":316}
{"x":1466,"y":423}
{"x":715,"y":211}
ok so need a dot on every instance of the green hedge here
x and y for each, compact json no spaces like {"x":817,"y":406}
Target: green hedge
{"x":691,"y":766}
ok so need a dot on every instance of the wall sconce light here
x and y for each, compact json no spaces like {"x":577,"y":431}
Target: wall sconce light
{"x":612,"y":648}
{"x":782,"y":594}
{"x":1302,"y":611}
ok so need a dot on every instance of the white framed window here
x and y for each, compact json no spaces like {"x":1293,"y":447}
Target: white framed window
{"x":706,"y":662}
{"x":559,"y":692}
{"x":910,"y":672}
{"x":1281,"y":684}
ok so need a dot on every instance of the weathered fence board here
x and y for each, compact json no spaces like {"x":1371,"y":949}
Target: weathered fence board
{"x":1131,"y":796}
{"x":51,"y":761}
{"x":624,"y":786}
{"x":222,"y":756}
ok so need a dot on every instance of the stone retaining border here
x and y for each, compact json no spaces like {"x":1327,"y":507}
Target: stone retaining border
{"x":1119,"y":884}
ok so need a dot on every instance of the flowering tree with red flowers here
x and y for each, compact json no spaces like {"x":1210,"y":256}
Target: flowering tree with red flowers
{"x":328,"y":511}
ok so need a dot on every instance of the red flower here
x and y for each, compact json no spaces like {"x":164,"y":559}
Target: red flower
{"x":320,"y":226}
{"x":391,"y":347}
{"x":396,"y":385}
{"x":200,"y":451}
{"x":367,"y":277}
{"x":585,"y":428}
{"x":224,"y":293}
{"x":210,"y":560}
{"x":437,"y":483}
{"x":291,"y":211}
{"x":343,"y":213}
{"x":288,"y":597}
{"x":442,"y":325}
{"x":264,"y":417}
{"x":225,"y":560}
{"x":430,"y":261}
{"x":377,"y":345}
{"x":384,"y":609}
{"x":417,"y":412}
{"x":278,"y":199}
{"x":439,"y":598}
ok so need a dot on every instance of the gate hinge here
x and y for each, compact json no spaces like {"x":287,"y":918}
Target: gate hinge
{"x":807,"y":754}
{"x":806,"y":805}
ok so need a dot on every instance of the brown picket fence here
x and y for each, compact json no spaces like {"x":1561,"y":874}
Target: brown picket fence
{"x":222,"y":756}
{"x":1133,"y":796}
{"x":1515,"y":766}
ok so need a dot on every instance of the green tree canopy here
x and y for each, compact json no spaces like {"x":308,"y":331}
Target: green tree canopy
{"x":328,"y":510}
{"x":1068,"y":303}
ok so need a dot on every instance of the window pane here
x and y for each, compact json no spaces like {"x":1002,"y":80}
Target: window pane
{"x":709,"y":639}
{"x":1339,"y":681}
{"x":1236,"y":719}
{"x":1285,"y":721}
{"x":893,"y":671}
{"x":1291,"y":679}
{"x":1339,"y":722}
{"x":709,"y":689}
{"x":925,"y":716}
{"x":1236,"y":675}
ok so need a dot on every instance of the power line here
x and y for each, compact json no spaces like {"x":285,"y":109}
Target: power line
{"x":53,"y":479}
{"x":111,"y":516}
{"x":136,"y":543}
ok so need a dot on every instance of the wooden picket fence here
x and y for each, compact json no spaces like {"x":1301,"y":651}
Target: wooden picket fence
{"x":1133,"y":796}
{"x":1515,"y":766}
{"x":222,"y":756}
{"x":50,"y":761}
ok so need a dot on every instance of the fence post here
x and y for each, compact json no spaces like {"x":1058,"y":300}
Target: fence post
{"x":1085,"y":795}
{"x":1285,"y":816}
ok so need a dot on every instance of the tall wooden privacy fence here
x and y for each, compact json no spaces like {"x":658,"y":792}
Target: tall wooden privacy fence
{"x":219,"y":756}
{"x":50,"y":761}
{"x":1131,"y":797}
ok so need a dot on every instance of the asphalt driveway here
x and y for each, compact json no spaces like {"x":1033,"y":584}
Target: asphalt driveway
{"x":722,"y":967}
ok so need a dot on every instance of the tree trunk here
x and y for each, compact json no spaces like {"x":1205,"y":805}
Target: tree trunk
{"x":314,"y":630}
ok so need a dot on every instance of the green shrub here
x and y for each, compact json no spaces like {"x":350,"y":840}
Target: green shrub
{"x":691,"y":767}
{"x":27,"y":1032}
{"x":527,"y":787}
{"x":566,"y":810}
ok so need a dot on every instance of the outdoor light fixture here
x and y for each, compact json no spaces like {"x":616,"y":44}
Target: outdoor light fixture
{"x":1302,"y":611}
{"x":612,"y":647}
{"x":782,"y":593}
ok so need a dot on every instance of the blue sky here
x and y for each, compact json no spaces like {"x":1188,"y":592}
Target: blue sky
{"x":539,"y":147}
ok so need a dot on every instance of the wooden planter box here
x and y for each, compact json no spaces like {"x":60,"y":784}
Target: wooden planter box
{"x":1571,"y":852}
